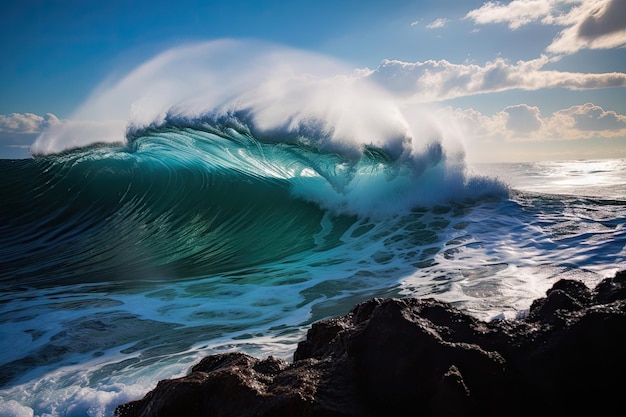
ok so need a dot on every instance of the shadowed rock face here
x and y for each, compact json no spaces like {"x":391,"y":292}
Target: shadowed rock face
{"x":423,"y":357}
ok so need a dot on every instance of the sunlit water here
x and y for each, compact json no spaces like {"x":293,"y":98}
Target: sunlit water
{"x":81,"y":349}
{"x":236,"y":205}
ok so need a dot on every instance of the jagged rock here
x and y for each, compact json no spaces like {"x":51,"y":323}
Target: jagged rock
{"x":423,"y":357}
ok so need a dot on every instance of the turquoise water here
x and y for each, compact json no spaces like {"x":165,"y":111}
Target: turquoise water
{"x":225,"y":195}
{"x":123,"y":265}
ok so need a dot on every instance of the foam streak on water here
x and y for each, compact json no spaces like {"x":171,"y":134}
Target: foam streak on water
{"x":80,"y":349}
{"x":234,"y":205}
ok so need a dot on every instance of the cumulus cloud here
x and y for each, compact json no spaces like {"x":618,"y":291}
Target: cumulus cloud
{"x":19,"y":130}
{"x":526,"y":123}
{"x":591,"y":118}
{"x":26,"y":122}
{"x":588,"y":24}
{"x":523,"y":118}
{"x":595,"y":25}
{"x":440,"y":80}
{"x":517,"y":13}
{"x":438,"y":23}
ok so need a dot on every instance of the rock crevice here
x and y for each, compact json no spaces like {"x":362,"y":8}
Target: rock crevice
{"x":423,"y":357}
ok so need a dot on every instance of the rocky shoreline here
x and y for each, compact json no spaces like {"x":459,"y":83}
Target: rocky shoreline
{"x":395,"y":357}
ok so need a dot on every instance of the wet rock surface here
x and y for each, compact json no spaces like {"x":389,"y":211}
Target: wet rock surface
{"x":424,"y":357}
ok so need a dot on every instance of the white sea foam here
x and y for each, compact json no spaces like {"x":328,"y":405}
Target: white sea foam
{"x":491,"y":259}
{"x":76,"y":350}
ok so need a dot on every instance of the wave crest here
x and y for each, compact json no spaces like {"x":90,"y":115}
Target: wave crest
{"x":269,"y":111}
{"x":365,"y":180}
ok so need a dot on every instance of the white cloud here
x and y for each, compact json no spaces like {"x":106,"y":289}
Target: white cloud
{"x":591,"y":118}
{"x":517,"y":13}
{"x":26,"y":122}
{"x":589,"y":24}
{"x":525,"y":123}
{"x":522,"y":118}
{"x":440,"y":80}
{"x":438,"y":23}
{"x":595,"y":25}
{"x":19,"y":130}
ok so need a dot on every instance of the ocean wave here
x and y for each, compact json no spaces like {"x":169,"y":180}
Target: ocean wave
{"x":186,"y":198}
{"x":225,"y":195}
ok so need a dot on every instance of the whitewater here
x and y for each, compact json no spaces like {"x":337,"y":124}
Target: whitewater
{"x":225,"y":195}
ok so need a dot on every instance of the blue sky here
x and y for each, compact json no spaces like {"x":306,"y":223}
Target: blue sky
{"x":522,"y":79}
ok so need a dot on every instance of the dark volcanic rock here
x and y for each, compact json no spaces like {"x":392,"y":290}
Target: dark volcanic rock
{"x":424,"y":357}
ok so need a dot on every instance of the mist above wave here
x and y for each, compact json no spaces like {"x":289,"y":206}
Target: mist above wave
{"x":281,"y":95}
{"x":285,"y":90}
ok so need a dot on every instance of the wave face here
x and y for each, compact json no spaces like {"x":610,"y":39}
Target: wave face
{"x":197,"y":198}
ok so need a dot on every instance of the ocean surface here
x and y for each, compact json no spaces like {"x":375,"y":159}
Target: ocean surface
{"x":124,"y":264}
{"x":240,"y":201}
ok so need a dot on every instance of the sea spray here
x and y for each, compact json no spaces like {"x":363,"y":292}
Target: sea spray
{"x":224,"y":195}
{"x":285,"y":93}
